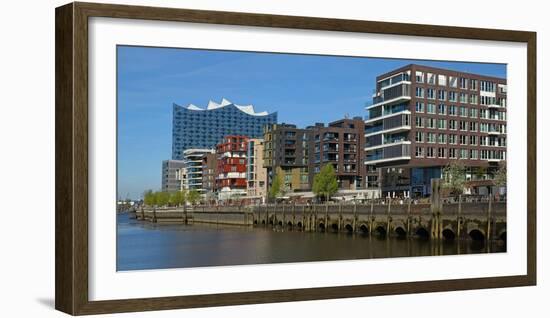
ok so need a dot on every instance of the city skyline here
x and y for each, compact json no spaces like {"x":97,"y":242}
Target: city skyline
{"x":150,"y":80}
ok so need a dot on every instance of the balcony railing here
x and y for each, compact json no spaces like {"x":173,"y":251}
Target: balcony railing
{"x":373,"y":129}
{"x":392,"y":94}
{"x":396,"y":124}
{"x":390,"y":153}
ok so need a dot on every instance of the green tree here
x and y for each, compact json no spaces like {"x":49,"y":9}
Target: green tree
{"x":177,"y":198}
{"x":149,"y":198}
{"x":162,"y":198}
{"x":276,"y":186}
{"x":480,"y":172}
{"x":500,"y":176}
{"x":454,"y":175}
{"x":325,"y":183}
{"x":193,"y":196}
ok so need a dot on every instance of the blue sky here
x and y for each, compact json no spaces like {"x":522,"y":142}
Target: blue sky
{"x":303,"y":89}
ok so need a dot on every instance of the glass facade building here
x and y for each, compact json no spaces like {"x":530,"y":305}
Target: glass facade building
{"x":195,"y":127}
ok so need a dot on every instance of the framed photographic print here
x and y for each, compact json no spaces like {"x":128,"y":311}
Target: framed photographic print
{"x":211,"y":158}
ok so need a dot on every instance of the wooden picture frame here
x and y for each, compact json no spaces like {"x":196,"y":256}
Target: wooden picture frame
{"x":71,"y":218}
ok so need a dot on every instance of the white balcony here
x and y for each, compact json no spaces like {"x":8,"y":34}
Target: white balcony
{"x":232,"y":175}
{"x":384,"y":145}
{"x":373,"y":120}
{"x":393,"y":130}
{"x":384,"y":160}
{"x":390,"y":101}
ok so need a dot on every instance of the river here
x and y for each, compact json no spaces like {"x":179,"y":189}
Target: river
{"x":144,"y":245}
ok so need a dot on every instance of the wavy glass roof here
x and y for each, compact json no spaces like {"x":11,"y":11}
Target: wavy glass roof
{"x":247,"y":109}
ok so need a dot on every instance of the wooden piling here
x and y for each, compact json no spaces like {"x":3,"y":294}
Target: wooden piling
{"x":459,"y":217}
{"x":435,"y":207}
{"x":354,"y":225}
{"x":409,"y":218}
{"x":388,"y":218}
{"x":489,"y":216}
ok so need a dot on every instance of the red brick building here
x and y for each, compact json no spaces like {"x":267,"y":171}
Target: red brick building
{"x":231,"y":167}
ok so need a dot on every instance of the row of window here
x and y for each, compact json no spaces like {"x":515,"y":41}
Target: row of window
{"x":454,"y":82}
{"x":471,"y":140}
{"x":459,"y":153}
{"x":451,"y":124}
{"x":458,"y":97}
{"x":462,"y":111}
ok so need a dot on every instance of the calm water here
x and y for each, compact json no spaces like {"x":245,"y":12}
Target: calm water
{"x":144,"y":245}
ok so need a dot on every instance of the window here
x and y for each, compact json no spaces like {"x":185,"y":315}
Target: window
{"x":430,"y":138}
{"x":452,"y":96}
{"x":431,"y":108}
{"x":483,"y":127}
{"x":487,"y":86}
{"x":419,"y":77}
{"x":463,"y":125}
{"x":463,"y":83}
{"x":463,"y":153}
{"x":452,"y":153}
{"x":473,"y":84}
{"x":419,"y":136}
{"x":430,"y":152}
{"x":452,"y":110}
{"x":488,"y":100}
{"x":452,"y":81}
{"x":441,"y":124}
{"x":484,"y":154}
{"x":472,"y":126}
{"x":442,"y":80}
{"x":463,"y":111}
{"x":463,"y":98}
{"x":473,"y":99}
{"x":483,"y":141}
{"x":473,"y":112}
{"x":430,"y":93}
{"x":430,"y":122}
{"x":441,"y":153}
{"x":419,"y":92}
{"x":473,"y":154}
{"x":419,"y":122}
{"x":419,"y":107}
{"x":473,"y":140}
{"x":452,"y":139}
{"x":441,"y":138}
{"x":483,"y":114}
{"x":441,"y":94}
{"x":431,"y":78}
{"x":441,"y":109}
{"x":452,"y":124}
{"x":419,"y":152}
{"x":463,"y":139}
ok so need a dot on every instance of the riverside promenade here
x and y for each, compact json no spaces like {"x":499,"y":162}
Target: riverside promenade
{"x":448,"y":219}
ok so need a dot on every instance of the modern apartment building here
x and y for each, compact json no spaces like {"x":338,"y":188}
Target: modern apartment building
{"x":286,"y":152}
{"x":192,"y":170}
{"x":209,"y":173}
{"x":172,"y":177}
{"x":422,"y":118}
{"x":231,"y":167}
{"x":256,"y":173}
{"x":340,"y":144}
{"x":203,"y":128}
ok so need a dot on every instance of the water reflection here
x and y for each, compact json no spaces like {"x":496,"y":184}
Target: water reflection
{"x":143,"y":245}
